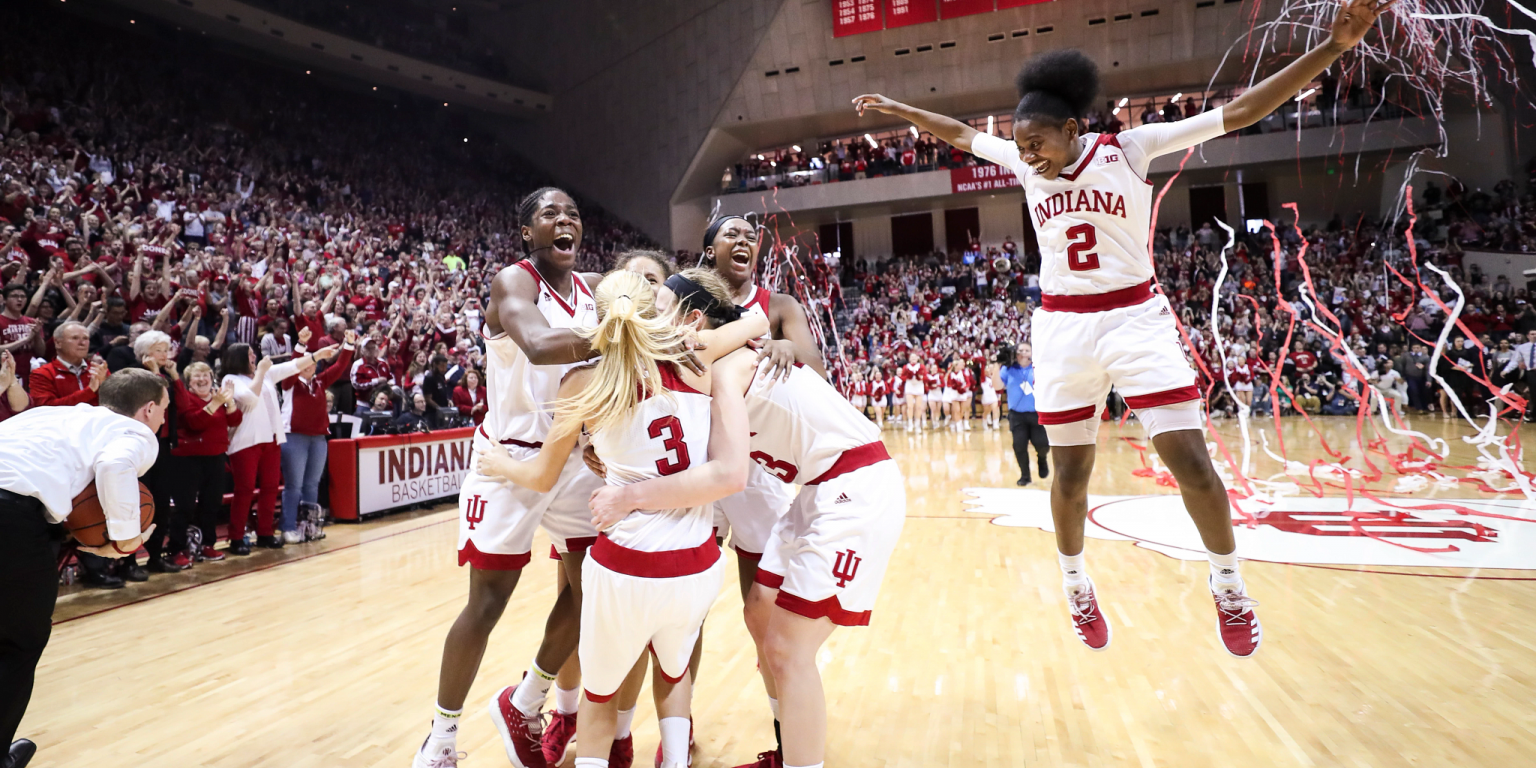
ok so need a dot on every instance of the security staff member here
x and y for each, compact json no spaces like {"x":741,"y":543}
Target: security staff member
{"x":1018,"y":380}
{"x":47,"y":457}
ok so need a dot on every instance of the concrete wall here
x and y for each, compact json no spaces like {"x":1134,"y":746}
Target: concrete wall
{"x":1511,"y":265}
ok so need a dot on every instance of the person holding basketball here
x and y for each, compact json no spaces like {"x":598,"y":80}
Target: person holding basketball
{"x":1100,"y":324}
{"x":48,"y":456}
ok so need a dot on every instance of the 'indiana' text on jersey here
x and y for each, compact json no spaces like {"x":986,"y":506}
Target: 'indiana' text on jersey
{"x":1080,"y":201}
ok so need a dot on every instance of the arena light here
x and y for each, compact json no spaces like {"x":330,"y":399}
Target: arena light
{"x":1177,"y":96}
{"x":796,"y":147}
{"x":1124,"y":101}
{"x":1305,"y":94}
{"x":913,"y":128}
{"x":759,"y":157}
{"x":1115,"y":111}
{"x":991,"y":125}
{"x":466,"y":140}
{"x":871,"y":140}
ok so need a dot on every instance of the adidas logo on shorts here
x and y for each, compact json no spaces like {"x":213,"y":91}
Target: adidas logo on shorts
{"x":842,"y":498}
{"x":1165,"y":311}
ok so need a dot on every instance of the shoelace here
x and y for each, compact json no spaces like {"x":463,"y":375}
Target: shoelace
{"x":447,"y":760}
{"x":534,"y":722}
{"x":1234,"y":605}
{"x":1082,"y":606}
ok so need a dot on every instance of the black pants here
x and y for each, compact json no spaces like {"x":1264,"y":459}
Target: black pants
{"x":1026,"y":429}
{"x":159,"y":479}
{"x":197,"y":488}
{"x":29,"y":551}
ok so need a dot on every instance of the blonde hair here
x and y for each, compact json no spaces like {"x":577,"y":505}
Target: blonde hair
{"x":713,"y":283}
{"x":196,"y":368}
{"x":632,"y":336}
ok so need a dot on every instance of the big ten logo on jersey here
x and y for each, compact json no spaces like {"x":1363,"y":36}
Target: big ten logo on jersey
{"x":1107,"y":159}
{"x":474,"y":511}
{"x":1405,"y":533}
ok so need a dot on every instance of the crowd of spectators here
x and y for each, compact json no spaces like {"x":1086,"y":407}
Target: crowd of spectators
{"x":296,"y":261}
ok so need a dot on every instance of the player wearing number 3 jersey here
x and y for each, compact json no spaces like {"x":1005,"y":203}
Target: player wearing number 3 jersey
{"x":1100,"y":323}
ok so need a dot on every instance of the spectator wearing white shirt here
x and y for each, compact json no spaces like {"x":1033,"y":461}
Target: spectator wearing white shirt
{"x":1522,"y":367}
{"x":47,"y":457}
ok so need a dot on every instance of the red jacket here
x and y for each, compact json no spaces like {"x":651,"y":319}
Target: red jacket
{"x":53,"y":384}
{"x":310,"y":416}
{"x":466,"y":404}
{"x":199,"y":433}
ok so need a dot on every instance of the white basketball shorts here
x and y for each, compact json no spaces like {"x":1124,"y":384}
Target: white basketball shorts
{"x":749,"y":516}
{"x":1079,"y":355}
{"x":828,"y":554}
{"x":497,"y":519}
{"x":624,"y":612}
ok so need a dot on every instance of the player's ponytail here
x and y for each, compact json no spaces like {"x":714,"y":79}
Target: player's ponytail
{"x":1056,"y":86}
{"x":632,"y":337}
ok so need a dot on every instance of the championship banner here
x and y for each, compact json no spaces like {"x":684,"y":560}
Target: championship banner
{"x":409,"y":469}
{"x":980,"y":178}
{"x":855,"y":17}
{"x":953,"y":9}
{"x":903,"y":13}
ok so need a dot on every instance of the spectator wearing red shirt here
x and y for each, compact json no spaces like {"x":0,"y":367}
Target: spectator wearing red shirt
{"x":469,"y":397}
{"x":67,"y":379}
{"x":13,"y":399}
{"x":309,"y":425}
{"x":369,"y":372}
{"x":20,"y":335}
{"x":197,"y":474}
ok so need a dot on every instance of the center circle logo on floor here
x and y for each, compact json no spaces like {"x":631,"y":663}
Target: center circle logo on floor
{"x":1303,"y":530}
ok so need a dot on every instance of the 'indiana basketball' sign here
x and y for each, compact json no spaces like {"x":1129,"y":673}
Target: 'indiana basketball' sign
{"x":980,"y":178}
{"x":423,"y":470}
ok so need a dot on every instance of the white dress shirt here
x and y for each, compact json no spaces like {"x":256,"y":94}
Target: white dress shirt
{"x":1524,"y":353}
{"x":52,"y":454}
{"x":263,"y":419}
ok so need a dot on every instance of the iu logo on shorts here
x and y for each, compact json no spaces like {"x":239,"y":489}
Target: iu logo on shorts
{"x":474,"y":512}
{"x":846,"y":567}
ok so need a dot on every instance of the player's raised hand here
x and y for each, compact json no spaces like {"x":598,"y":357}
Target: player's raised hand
{"x":876,"y":102}
{"x":1355,"y":19}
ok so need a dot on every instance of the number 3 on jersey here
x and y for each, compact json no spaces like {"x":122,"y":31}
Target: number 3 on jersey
{"x":1084,"y":238}
{"x":673,"y":442}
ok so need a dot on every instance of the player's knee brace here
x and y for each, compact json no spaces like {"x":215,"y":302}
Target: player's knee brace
{"x":1170,"y":418}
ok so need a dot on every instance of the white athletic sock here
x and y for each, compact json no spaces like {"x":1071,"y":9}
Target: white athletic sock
{"x":674,"y":740}
{"x":1224,"y":573}
{"x":445,"y":723}
{"x":818,"y":765}
{"x":773,"y":704}
{"x":533,"y":691}
{"x":591,"y":762}
{"x":626,"y":719}
{"x":1074,"y":572}
{"x":567,"y":702}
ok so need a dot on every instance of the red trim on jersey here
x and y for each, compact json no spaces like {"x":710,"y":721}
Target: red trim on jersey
{"x":579,"y":543}
{"x":487,"y":561}
{"x":768,"y":578}
{"x":1166,"y":397}
{"x":554,"y":554}
{"x":673,"y":380}
{"x":596,"y":699}
{"x":1098,"y":302}
{"x":1115,"y":142}
{"x":829,"y":608}
{"x":744,"y":553}
{"x":668,"y":564}
{"x":518,"y":443}
{"x":527,"y":264}
{"x":761,"y":298}
{"x":1068,"y":417}
{"x":854,"y":458}
{"x":1087,"y":157}
{"x":663,"y":672}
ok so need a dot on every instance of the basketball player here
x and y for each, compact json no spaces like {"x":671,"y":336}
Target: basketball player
{"x":827,"y":556}
{"x":537,"y":308}
{"x":1100,"y":324}
{"x":47,"y":457}
{"x":656,"y":568}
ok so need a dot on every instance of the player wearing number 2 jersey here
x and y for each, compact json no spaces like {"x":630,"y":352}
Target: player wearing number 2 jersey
{"x":655,"y":569}
{"x":1100,"y":324}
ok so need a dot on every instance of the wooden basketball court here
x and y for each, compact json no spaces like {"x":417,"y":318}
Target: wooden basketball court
{"x":326,"y":654}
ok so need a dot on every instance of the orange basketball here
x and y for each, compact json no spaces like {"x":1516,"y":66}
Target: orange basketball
{"x":88,"y":523}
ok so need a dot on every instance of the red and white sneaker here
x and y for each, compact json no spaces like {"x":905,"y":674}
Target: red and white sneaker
{"x":558,"y":737}
{"x":1087,"y":620}
{"x":521,"y":734}
{"x":622,"y":753}
{"x":690,"y":747}
{"x":769,"y":759}
{"x":1236,"y":622}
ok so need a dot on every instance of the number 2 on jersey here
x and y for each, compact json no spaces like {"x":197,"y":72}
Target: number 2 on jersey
{"x":1084,"y":238}
{"x":673,"y":442}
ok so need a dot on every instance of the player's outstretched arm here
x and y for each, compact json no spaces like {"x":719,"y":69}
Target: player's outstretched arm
{"x":719,"y":342}
{"x":724,"y":474}
{"x":1355,"y":19}
{"x":542,"y":471}
{"x":514,"y":311}
{"x":795,"y":330}
{"x":950,"y":130}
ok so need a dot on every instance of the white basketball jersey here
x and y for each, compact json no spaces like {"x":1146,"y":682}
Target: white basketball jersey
{"x":758,"y":305}
{"x":801,"y":425}
{"x":668,"y":433}
{"x":1094,"y":219}
{"x":519,"y":395}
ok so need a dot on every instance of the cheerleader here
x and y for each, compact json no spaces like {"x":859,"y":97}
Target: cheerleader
{"x":989,"y":404}
{"x":858,"y":390}
{"x":914,"y":386}
{"x":877,"y":391}
{"x":933,"y":384}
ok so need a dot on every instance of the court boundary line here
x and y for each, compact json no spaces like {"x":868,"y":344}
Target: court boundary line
{"x":267,"y":567}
